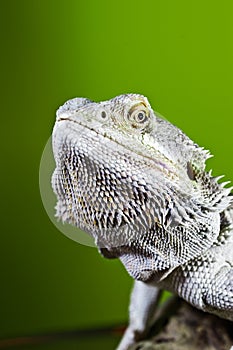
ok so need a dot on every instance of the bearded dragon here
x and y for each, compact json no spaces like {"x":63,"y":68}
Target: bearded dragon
{"x":138,"y":185}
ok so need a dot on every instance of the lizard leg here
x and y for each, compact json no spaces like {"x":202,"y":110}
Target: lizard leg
{"x":219,"y":298}
{"x":143,"y":302}
{"x":206,"y":282}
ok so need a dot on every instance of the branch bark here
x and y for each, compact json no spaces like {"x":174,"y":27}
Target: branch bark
{"x":188,"y":329}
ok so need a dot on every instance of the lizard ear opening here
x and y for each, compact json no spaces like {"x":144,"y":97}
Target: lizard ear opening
{"x":108,"y":253}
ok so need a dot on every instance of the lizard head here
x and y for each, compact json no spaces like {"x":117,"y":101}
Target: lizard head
{"x":135,"y":182}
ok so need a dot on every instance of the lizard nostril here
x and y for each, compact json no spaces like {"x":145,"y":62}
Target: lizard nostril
{"x":103,"y":114}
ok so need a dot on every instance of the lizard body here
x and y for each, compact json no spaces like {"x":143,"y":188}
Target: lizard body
{"x":138,"y":185}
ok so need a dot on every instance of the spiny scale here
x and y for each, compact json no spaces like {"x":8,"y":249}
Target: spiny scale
{"x":138,"y":185}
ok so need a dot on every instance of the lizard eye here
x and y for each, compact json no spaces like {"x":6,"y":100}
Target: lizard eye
{"x":139,"y":116}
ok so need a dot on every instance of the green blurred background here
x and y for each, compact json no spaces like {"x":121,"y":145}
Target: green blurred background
{"x":178,"y":53}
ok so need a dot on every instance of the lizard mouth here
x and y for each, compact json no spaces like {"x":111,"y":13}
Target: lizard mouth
{"x":160,"y":162}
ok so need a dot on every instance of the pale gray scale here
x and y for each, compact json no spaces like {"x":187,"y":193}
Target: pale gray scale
{"x":141,"y":217}
{"x":151,"y":241}
{"x":72,"y":105}
{"x":169,"y":241}
{"x":206,"y":281}
{"x":212,"y":193}
{"x":190,"y":241}
{"x":137,"y":204}
{"x":57,"y":183}
{"x":125,"y":202}
{"x":75,"y":182}
{"x":95,"y":180}
{"x":142,"y":265}
{"x":141,"y":194}
{"x":67,"y":184}
{"x":190,"y":281}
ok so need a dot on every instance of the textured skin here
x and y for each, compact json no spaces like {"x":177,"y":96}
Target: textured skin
{"x":138,"y":185}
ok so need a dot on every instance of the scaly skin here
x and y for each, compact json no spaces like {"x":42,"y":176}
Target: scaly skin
{"x":138,"y":185}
